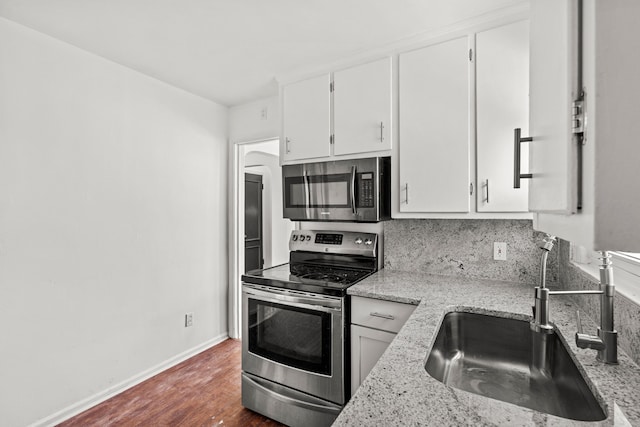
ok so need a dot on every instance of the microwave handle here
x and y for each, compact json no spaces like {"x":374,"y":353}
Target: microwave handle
{"x":307,"y":195}
{"x":353,"y":190}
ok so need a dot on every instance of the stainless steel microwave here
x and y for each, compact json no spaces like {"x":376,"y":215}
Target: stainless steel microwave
{"x":356,"y":190}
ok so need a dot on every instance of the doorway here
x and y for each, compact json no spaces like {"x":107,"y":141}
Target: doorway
{"x":253,"y":249}
{"x":256,"y":158}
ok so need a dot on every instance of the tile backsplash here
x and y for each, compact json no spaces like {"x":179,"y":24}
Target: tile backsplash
{"x":464,"y":247}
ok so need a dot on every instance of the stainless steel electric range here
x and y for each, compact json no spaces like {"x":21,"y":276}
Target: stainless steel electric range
{"x":295,"y":353}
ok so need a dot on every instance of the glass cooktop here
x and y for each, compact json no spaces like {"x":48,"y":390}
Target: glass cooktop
{"x":322,"y":279}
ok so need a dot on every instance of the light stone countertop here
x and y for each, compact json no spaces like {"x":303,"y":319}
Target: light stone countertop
{"x":399,"y":392}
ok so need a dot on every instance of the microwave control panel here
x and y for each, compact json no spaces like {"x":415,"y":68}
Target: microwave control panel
{"x":366,"y":190}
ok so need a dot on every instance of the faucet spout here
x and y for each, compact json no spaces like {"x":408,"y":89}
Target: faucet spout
{"x":540,"y":322}
{"x":606,"y":340}
{"x":547,"y":245}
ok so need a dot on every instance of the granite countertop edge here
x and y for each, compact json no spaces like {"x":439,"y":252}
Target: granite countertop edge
{"x":398,"y":390}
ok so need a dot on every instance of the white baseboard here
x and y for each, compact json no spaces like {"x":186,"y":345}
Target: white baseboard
{"x":91,"y":401}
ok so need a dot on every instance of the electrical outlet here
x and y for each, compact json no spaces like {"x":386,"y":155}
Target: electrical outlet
{"x":188,"y":320}
{"x":500,"y":251}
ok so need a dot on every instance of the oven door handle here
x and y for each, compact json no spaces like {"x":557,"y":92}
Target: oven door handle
{"x":309,"y":303}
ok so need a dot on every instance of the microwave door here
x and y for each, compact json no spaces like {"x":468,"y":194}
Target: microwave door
{"x":318,"y":197}
{"x":315,"y":192}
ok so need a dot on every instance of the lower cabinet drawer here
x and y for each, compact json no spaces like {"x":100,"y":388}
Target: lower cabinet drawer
{"x":379,"y":314}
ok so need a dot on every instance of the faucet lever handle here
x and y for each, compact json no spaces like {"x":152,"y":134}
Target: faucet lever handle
{"x":579,"y":322}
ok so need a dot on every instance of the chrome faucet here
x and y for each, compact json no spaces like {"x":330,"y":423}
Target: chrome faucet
{"x":606,"y":340}
{"x":540,"y":321}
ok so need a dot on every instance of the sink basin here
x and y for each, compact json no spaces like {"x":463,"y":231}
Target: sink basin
{"x":503,"y":359}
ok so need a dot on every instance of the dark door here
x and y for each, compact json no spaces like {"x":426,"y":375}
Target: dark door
{"x":252,"y":222}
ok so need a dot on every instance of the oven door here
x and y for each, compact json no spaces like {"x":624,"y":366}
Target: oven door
{"x":295,"y":339}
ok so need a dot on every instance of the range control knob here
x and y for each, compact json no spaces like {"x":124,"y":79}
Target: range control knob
{"x":308,"y":238}
{"x":358,"y":241}
{"x":368,"y":242}
{"x":294,"y":237}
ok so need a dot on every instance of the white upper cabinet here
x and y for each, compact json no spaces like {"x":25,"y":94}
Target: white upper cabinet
{"x":307,"y":119}
{"x":434,"y":144}
{"x":362,"y":108}
{"x":352,"y":120}
{"x":502,"y":104}
{"x":553,"y":85}
{"x":607,"y":152}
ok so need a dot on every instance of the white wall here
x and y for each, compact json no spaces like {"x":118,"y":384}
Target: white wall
{"x":247,"y":122}
{"x":113,"y":225}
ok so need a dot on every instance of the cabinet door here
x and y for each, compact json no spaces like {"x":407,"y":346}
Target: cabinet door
{"x":367,"y":345}
{"x":434,"y":140}
{"x":502,"y":104}
{"x":362,"y":108}
{"x":553,"y":153}
{"x":307,"y":119}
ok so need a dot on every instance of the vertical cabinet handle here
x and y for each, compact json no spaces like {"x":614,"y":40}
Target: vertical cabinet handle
{"x":487,"y":185}
{"x":406,"y":192}
{"x":517,"y":140}
{"x":287,"y":145}
{"x":381,"y":132}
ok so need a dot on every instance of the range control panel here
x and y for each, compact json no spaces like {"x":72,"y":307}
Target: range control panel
{"x":344,"y":242}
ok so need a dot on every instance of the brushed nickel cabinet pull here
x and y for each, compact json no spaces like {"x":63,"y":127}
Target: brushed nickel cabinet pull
{"x":382,"y":315}
{"x":487,"y":191}
{"x":517,"y":140}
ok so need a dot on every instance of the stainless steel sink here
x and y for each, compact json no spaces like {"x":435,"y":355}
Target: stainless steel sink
{"x":503,"y":359}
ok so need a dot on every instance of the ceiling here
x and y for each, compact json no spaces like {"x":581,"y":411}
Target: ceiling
{"x":231,"y":51}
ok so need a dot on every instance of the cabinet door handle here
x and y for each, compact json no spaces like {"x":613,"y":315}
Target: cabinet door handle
{"x":382,"y":315}
{"x":287,"y":146}
{"x":406,"y":192}
{"x":517,"y":140}
{"x":487,"y":191}
{"x":381,"y":132}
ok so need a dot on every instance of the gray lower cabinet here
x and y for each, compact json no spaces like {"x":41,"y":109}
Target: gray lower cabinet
{"x":374,"y":324}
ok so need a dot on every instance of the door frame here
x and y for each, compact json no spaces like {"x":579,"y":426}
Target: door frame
{"x":236,"y":233}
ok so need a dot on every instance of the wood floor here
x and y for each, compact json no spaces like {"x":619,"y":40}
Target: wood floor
{"x":201,"y":391}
